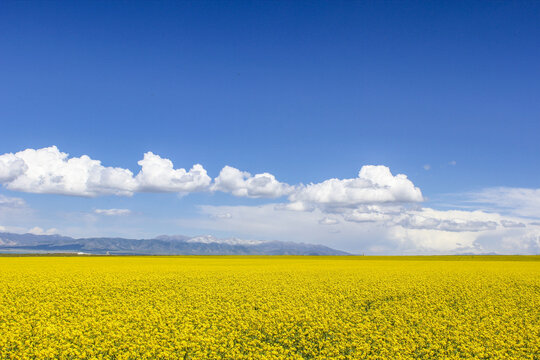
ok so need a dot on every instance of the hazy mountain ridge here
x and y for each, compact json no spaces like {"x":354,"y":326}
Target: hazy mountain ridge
{"x":161,"y":245}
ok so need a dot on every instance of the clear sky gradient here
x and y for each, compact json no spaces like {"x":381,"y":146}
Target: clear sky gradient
{"x":447,"y":93}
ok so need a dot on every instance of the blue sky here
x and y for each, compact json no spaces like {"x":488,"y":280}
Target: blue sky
{"x":446,"y":93}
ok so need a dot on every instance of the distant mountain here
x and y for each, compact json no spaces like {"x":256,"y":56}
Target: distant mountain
{"x":161,"y":245}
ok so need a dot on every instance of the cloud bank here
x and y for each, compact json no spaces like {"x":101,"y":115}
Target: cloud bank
{"x":241,"y":183}
{"x":375,"y":212}
{"x":50,"y":171}
{"x":411,"y":231}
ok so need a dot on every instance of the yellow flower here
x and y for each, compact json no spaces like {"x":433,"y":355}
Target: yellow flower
{"x":269,"y":307}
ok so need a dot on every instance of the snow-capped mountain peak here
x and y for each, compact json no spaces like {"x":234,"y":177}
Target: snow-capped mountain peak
{"x":209,"y":239}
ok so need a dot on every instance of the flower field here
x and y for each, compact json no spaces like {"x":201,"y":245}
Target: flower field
{"x":269,"y":307}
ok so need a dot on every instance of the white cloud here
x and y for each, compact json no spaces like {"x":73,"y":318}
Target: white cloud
{"x":425,"y":218}
{"x":375,"y":229}
{"x":376,"y":212}
{"x":11,"y":167}
{"x":449,"y":220}
{"x":158,"y":175}
{"x":268,"y":223}
{"x":510,"y":241}
{"x":222,"y":216}
{"x":11,"y":201}
{"x":429,"y":241}
{"x":512,"y":224}
{"x":295,"y":206}
{"x":265,"y":222}
{"x":374,"y":184}
{"x":453,"y":163}
{"x":15,"y":214}
{"x":427,"y":167}
{"x":328,"y":221}
{"x":112,"y":212}
{"x":39,"y":231}
{"x":516,"y":201}
{"x":412,"y":221}
{"x":50,"y":171}
{"x":241,"y":183}
{"x":14,"y":229}
{"x":361,"y":216}
{"x":36,"y":231}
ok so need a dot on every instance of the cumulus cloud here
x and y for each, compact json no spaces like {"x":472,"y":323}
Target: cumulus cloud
{"x":50,"y":171}
{"x":11,"y":167}
{"x":374,"y":184}
{"x":375,"y":212}
{"x":112,"y":212}
{"x":158,"y":175}
{"x":241,"y":183}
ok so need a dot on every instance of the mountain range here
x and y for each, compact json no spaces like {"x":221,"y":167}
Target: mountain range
{"x":161,"y":245}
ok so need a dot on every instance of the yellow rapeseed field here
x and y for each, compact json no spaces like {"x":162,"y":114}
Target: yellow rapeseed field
{"x":269,"y":308}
